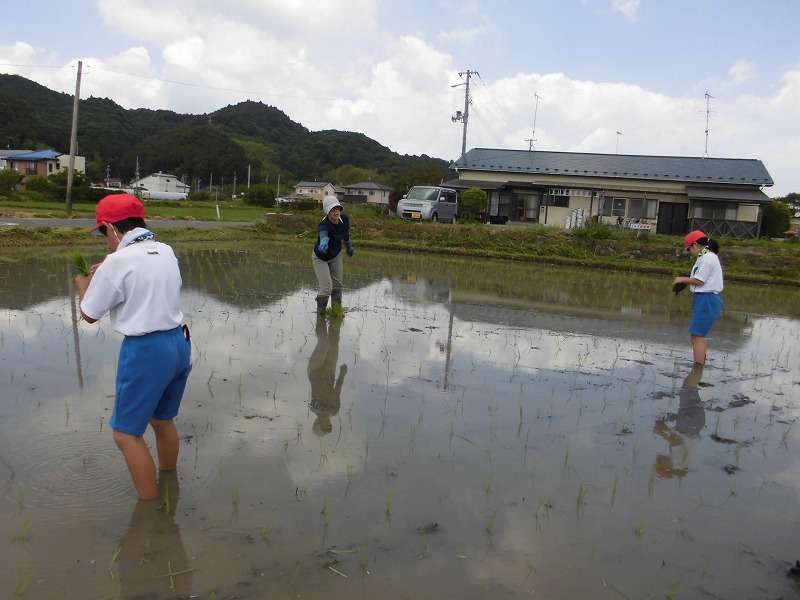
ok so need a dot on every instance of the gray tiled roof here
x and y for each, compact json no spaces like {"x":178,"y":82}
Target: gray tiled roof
{"x":733,"y":171}
{"x":368,"y":185}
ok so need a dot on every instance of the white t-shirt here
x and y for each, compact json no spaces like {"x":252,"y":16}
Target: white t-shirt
{"x":139,"y":285}
{"x":708,"y":270}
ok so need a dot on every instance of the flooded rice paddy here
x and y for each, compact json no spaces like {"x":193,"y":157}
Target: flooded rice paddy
{"x":468,"y":430}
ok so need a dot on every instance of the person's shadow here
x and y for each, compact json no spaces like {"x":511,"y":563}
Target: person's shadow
{"x":684,"y":433}
{"x":326,"y":388}
{"x":150,"y":557}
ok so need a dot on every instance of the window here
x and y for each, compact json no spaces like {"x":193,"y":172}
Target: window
{"x":49,"y":167}
{"x":557,"y":197}
{"x":613,"y":207}
{"x":642,"y":208}
{"x":30,"y":168}
{"x":718,"y":211}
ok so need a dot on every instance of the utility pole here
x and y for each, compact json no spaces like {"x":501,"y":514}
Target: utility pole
{"x":73,"y":139}
{"x":616,"y":149}
{"x":248,"y":177}
{"x":464,"y":117}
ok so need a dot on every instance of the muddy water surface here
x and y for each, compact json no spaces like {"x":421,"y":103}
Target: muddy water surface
{"x":467,"y":430}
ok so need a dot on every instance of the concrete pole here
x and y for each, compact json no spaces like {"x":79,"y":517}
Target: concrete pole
{"x":73,"y":140}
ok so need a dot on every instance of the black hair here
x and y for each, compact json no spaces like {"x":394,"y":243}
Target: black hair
{"x":126,"y":225}
{"x":712,"y":245}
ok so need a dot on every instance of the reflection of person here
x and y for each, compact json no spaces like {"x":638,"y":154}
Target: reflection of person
{"x":706,"y":284}
{"x":685,"y":433}
{"x":326,"y":388}
{"x":139,"y":284}
{"x":152,"y":560}
{"x":332,"y":231}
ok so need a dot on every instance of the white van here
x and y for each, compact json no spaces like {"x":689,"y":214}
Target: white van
{"x":429,"y":203}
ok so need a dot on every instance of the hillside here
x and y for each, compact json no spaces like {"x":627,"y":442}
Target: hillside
{"x":220,"y":143}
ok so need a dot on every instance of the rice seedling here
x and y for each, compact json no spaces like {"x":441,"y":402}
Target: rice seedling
{"x":673,"y":591}
{"x":638,"y":530}
{"x":266,"y":531}
{"x":80,"y":262}
{"x":581,"y":495}
{"x":389,"y":502}
{"x":23,"y":584}
{"x":490,"y":524}
{"x":114,"y":556}
{"x":235,"y":498}
{"x":24,"y":530}
{"x":614,"y":488}
{"x":326,"y":514}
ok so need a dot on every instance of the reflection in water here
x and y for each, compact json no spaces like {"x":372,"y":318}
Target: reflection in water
{"x":486,"y":410}
{"x":152,"y":562}
{"x":685,"y":433}
{"x":326,"y":388}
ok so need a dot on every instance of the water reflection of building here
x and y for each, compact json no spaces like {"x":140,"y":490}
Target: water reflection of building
{"x":417,"y":290}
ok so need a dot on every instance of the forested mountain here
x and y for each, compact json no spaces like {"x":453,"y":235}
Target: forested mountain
{"x":218,"y":144}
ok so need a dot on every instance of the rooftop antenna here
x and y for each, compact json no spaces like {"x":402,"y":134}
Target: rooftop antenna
{"x":464,"y":117}
{"x":708,"y":111}
{"x":616,"y":150}
{"x":535,"y":111}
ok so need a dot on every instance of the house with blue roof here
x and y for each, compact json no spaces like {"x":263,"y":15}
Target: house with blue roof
{"x":42,"y":162}
{"x":664,"y":194}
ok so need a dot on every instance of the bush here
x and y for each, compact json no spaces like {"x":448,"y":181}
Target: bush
{"x":776,"y":220}
{"x":259,"y":195}
{"x":37,"y":183}
{"x":474,"y":201}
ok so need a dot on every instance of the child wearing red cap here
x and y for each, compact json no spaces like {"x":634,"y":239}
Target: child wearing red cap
{"x":706,"y":283}
{"x":139,"y":284}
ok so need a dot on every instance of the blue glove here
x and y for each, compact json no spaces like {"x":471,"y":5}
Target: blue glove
{"x":349,"y":245}
{"x":323,"y":245}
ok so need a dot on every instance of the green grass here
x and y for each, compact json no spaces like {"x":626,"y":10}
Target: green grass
{"x":755,"y":261}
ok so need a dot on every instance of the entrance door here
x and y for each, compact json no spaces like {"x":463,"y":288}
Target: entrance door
{"x":672,"y":218}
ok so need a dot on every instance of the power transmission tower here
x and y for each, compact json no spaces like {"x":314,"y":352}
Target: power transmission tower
{"x":464,"y":116}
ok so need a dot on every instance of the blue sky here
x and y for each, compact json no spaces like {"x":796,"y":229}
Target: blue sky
{"x":386,"y":69}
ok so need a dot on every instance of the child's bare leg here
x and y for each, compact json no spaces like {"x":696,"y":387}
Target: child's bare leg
{"x":140,"y":463}
{"x":167,"y":443}
{"x":699,"y":346}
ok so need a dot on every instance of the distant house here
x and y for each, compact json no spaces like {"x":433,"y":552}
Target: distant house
{"x":4,"y":154}
{"x":41,"y":162}
{"x":664,"y":194}
{"x":315,"y":189}
{"x":369,"y":192}
{"x":159,"y":184}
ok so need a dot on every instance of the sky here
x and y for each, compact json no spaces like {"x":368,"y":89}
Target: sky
{"x":716,"y":78}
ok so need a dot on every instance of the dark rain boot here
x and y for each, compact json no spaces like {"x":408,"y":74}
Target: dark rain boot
{"x":322,"y":304}
{"x":336,"y":297}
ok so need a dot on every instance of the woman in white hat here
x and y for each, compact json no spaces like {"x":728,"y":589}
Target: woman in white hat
{"x":332,"y":232}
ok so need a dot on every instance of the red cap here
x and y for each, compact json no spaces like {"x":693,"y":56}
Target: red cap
{"x":116,"y":207}
{"x":692,"y":238}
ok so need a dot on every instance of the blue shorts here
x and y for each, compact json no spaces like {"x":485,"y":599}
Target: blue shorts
{"x":706,"y":310}
{"x":151,"y":376}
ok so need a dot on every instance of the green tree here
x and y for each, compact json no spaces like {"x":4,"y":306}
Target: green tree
{"x":260,"y":195}
{"x":8,"y":179}
{"x":776,"y":220}
{"x":474,"y":201}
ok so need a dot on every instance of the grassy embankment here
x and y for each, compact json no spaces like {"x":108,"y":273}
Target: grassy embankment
{"x":775,"y":262}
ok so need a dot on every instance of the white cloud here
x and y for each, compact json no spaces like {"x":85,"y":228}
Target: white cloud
{"x":628,"y":8}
